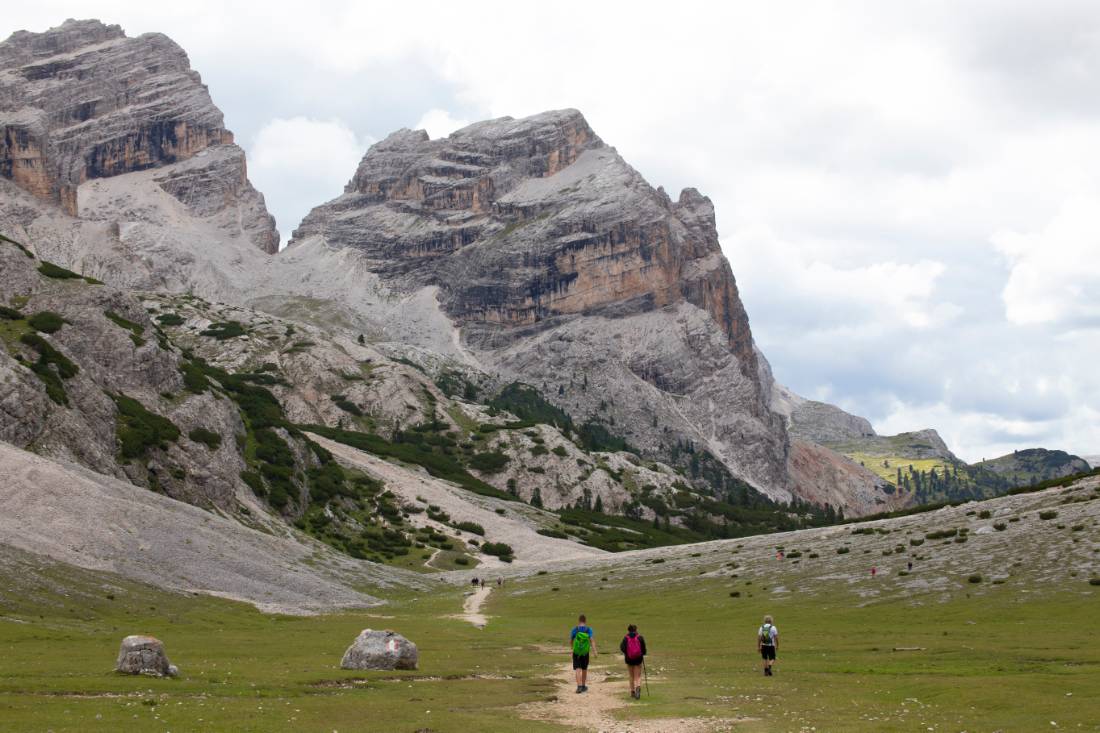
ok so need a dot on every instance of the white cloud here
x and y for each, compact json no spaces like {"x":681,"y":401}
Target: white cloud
{"x":293,"y":161}
{"x":1055,"y":275}
{"x":439,"y":123}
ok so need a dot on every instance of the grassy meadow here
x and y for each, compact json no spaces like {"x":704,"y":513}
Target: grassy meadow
{"x":997,"y":658}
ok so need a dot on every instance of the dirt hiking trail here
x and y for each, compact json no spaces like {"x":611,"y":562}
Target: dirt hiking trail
{"x":607,"y":693}
{"x":471,"y":607}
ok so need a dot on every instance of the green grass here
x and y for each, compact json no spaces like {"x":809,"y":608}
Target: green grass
{"x":980,"y":666}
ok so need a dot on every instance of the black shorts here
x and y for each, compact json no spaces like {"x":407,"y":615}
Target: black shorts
{"x":580,"y":661}
{"x":634,"y":662}
{"x":767,"y":652}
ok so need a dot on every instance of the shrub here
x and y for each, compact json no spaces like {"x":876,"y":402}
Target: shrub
{"x":472,"y":527}
{"x":1000,"y":526}
{"x":138,"y":429}
{"x":735,"y":594}
{"x":46,"y":322}
{"x":916,"y":542}
{"x":975,"y":578}
{"x":793,"y":554}
{"x":1094,"y":581}
{"x":489,"y":462}
{"x":136,"y":329}
{"x":207,"y":437}
{"x":462,"y":561}
{"x":985,"y":514}
{"x":941,"y":534}
{"x":194,"y":380}
{"x":223,"y":330}
{"x":51,"y":367}
{"x":501,"y":512}
{"x":1077,"y":528}
{"x":538,"y":450}
{"x":560,"y":451}
{"x":346,"y":405}
{"x":814,"y":555}
{"x":57,"y":272}
{"x":555,"y":533}
{"x":171,"y":319}
{"x":842,"y":550}
{"x":10,"y":314}
{"x":1048,"y":515}
{"x":499,"y":549}
{"x":960,"y":539}
{"x":656,"y":561}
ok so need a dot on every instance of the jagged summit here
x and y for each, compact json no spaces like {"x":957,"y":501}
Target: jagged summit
{"x":84,"y":103}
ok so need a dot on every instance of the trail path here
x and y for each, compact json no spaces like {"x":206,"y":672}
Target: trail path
{"x":607,"y":693}
{"x":471,"y":607}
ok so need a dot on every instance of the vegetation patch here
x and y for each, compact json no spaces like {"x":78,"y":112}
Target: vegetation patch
{"x":1047,"y":515}
{"x":136,"y":329}
{"x":171,"y":319}
{"x":140,"y":430}
{"x":46,"y":322}
{"x":51,"y":367}
{"x":346,"y":405}
{"x":224,"y":330}
{"x":10,"y":314}
{"x":208,"y":438}
{"x":472,"y":527}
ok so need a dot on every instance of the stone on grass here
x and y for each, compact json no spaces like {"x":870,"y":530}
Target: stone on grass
{"x":144,"y":655}
{"x":380,"y":650}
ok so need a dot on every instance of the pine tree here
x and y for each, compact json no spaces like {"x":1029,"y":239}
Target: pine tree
{"x":599,"y":505}
{"x":536,"y":498}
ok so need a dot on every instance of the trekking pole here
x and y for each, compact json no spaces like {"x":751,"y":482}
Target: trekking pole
{"x":646,"y":673}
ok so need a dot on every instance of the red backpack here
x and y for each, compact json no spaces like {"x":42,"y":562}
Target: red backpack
{"x":633,"y":647}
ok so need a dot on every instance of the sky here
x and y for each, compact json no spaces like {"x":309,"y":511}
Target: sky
{"x":908,"y":192}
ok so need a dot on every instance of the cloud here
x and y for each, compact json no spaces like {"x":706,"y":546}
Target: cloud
{"x":1055,"y":272}
{"x":293,"y":161}
{"x":439,"y":123}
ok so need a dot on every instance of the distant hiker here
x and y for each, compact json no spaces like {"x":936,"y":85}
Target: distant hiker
{"x":873,"y":571}
{"x":474,"y":581}
{"x":910,"y":566}
{"x":767,"y":642}
{"x":583,"y":640}
{"x":633,"y":648}
{"x":500,"y":582}
{"x":483,"y":582}
{"x":779,"y":555}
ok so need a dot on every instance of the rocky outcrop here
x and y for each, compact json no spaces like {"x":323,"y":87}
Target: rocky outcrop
{"x":561,"y":267}
{"x":144,"y":655}
{"x":128,"y":166}
{"x":1036,"y":464}
{"x":384,"y":650}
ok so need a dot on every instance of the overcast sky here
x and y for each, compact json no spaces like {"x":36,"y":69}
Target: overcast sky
{"x":908,"y":192}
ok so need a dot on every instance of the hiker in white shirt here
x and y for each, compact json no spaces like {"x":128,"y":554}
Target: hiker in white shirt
{"x":767,"y":642}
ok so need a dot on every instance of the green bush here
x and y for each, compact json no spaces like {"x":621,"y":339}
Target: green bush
{"x":10,"y":314}
{"x":57,"y":272}
{"x":916,"y":542}
{"x":46,"y":322}
{"x":1000,"y":526}
{"x":1047,"y":515}
{"x":223,"y":330}
{"x":793,"y":554}
{"x":985,"y":514}
{"x":254,"y":482}
{"x":555,"y":533}
{"x":472,"y":527}
{"x":346,"y":405}
{"x":171,"y":319}
{"x":499,"y":549}
{"x":538,"y":450}
{"x":1094,"y":581}
{"x":560,"y":451}
{"x":51,"y":367}
{"x":462,"y":560}
{"x":941,"y":534}
{"x":139,"y":430}
{"x":842,"y":550}
{"x":194,"y":380}
{"x":975,"y":578}
{"x":207,"y":437}
{"x":489,"y":462}
{"x":136,"y":329}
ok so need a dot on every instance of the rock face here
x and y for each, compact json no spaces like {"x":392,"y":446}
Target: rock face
{"x":1037,"y":464}
{"x":144,"y":655}
{"x":83,"y":110}
{"x":384,"y":650}
{"x":561,"y":267}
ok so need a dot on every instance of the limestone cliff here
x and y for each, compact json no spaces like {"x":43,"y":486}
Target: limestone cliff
{"x":124,"y":156}
{"x":564,"y":268}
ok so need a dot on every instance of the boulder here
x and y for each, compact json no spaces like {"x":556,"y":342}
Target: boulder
{"x":380,"y":650}
{"x":144,"y":655}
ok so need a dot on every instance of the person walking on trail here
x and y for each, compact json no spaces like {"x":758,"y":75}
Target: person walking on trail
{"x":583,"y":640}
{"x":910,"y":566}
{"x":633,"y":648}
{"x":767,"y":642}
{"x":874,"y":570}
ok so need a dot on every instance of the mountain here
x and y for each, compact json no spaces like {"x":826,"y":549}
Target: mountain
{"x":513,"y":307}
{"x":114,"y":162}
{"x":1032,"y":465}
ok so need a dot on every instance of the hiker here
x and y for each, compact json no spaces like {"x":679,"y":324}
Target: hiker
{"x":583,"y":640}
{"x":779,"y":555}
{"x":483,"y":582}
{"x":474,"y":581}
{"x":500,"y":582}
{"x":873,"y":571}
{"x":633,"y":648}
{"x":767,"y":641}
{"x":910,"y":566}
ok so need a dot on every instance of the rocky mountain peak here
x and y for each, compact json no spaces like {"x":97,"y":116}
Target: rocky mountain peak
{"x":83,"y":101}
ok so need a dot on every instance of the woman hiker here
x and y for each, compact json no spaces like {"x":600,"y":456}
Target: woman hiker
{"x":633,"y":648}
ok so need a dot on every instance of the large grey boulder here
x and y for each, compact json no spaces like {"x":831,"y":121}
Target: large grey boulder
{"x":380,"y":650}
{"x":144,"y":655}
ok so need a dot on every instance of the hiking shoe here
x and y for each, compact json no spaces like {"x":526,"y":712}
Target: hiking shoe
{"x":584,"y":688}
{"x":580,"y":689}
